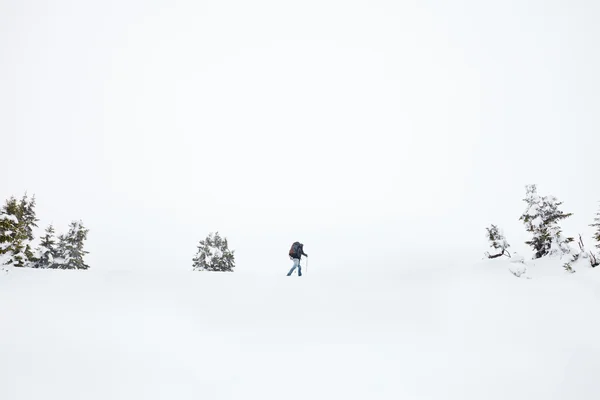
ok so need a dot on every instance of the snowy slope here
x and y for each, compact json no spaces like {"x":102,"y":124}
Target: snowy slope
{"x":475,"y":332}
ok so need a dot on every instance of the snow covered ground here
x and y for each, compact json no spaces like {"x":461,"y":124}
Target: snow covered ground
{"x":472,"y":332}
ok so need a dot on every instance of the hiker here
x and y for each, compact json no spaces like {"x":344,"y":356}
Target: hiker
{"x":296,"y":252}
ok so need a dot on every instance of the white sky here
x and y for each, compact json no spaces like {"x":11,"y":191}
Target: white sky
{"x":368,"y":130}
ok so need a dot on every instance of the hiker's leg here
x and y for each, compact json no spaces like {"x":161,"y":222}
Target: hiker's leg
{"x":293,"y":268}
{"x":299,"y":269}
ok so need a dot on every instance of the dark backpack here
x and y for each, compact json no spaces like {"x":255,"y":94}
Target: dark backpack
{"x":294,"y":250}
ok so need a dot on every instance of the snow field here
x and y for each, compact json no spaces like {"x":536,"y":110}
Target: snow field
{"x":473,"y":332}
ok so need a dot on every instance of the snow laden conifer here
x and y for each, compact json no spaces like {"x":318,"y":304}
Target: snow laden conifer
{"x":28,"y":222}
{"x":541,"y":219}
{"x":17,"y":220}
{"x":594,"y":262}
{"x":596,"y":225}
{"x":497,"y":242}
{"x":46,"y":252}
{"x":70,"y":253}
{"x":61,"y":253}
{"x":8,"y":229}
{"x":214,"y":255}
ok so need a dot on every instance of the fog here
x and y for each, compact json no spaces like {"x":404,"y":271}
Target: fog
{"x":374,"y":132}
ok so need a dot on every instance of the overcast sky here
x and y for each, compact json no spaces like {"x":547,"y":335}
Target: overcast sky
{"x":370,"y":130}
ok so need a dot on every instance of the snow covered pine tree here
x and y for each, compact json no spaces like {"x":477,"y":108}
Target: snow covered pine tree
{"x":17,"y":220}
{"x":541,"y":219}
{"x":70,"y":252}
{"x":8,"y":229}
{"x":497,"y":242}
{"x":214,"y":255}
{"x":46,"y":252}
{"x":596,"y":224}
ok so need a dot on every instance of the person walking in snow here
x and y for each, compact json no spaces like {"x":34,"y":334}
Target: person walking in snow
{"x":296,"y":252}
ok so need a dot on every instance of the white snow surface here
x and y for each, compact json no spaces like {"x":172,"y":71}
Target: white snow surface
{"x":473,"y":332}
{"x":517,"y":269}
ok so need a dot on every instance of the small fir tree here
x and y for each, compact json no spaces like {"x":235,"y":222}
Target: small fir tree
{"x":70,"y":252}
{"x":8,"y":232}
{"x":214,"y":255}
{"x":29,"y":222}
{"x":47,"y":250}
{"x":17,"y":220}
{"x":541,"y":218}
{"x":497,"y":242}
{"x":61,"y":253}
{"x":569,"y":268}
{"x":596,"y":225}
